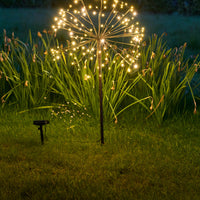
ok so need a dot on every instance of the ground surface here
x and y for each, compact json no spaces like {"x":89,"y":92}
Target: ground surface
{"x":139,"y":160}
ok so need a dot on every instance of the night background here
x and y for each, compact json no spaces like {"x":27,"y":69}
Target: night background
{"x":189,"y":7}
{"x":178,"y":18}
{"x":84,"y":118}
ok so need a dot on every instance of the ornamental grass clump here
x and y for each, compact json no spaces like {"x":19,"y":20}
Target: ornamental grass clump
{"x":25,"y":80}
{"x":80,"y":85}
{"x":167,"y":77}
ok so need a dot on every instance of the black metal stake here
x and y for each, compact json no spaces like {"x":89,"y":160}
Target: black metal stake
{"x":41,"y":123}
{"x":100,"y":89}
{"x":101,"y":109}
{"x":41,"y":134}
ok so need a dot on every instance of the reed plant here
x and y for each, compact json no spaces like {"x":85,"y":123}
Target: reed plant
{"x":167,"y":77}
{"x":24,"y":70}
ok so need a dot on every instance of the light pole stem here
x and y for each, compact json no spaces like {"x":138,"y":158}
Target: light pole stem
{"x":100,"y":90}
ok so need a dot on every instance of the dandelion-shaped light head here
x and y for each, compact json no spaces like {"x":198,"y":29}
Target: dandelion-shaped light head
{"x":94,"y":29}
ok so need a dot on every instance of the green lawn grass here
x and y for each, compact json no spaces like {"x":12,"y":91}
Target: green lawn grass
{"x":139,"y":160}
{"x":180,"y":29}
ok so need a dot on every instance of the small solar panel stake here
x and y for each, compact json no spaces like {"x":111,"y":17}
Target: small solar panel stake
{"x":41,"y":123}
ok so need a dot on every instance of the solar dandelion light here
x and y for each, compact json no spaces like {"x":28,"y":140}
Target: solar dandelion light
{"x":96,"y":29}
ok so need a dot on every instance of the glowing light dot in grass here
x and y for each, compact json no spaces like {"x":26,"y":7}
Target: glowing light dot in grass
{"x":86,"y":77}
{"x":136,"y":66}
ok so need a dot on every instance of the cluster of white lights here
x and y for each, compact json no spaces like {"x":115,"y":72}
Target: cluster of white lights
{"x":113,"y":27}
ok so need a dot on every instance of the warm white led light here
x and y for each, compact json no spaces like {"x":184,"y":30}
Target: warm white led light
{"x":94,"y":30}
